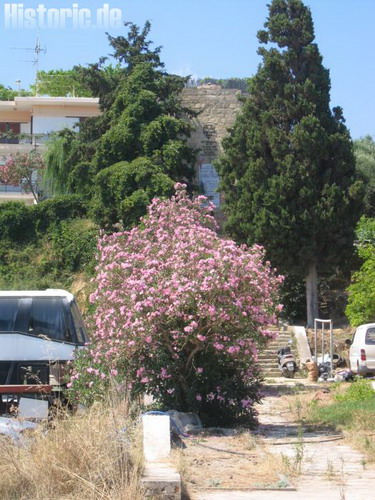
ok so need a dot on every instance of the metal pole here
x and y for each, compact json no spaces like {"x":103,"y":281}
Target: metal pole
{"x":315,"y":341}
{"x":331,"y":340}
{"x":322,"y":342}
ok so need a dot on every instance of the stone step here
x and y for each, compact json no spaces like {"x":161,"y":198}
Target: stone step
{"x":284,"y":335}
{"x":279,"y":341}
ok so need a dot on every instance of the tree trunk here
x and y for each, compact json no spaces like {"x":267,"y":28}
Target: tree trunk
{"x":312,"y":306}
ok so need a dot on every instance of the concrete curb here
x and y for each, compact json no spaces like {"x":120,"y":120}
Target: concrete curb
{"x":161,"y":481}
{"x":303,"y":347}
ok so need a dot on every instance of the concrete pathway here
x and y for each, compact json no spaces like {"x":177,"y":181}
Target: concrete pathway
{"x":330,"y":470}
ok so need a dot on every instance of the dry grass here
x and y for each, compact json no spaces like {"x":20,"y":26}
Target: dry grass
{"x":84,"y":456}
{"x":241,"y":462}
{"x":364,"y":442}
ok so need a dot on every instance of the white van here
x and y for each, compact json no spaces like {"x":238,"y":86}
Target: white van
{"x":39,"y":332}
{"x":362,"y":350}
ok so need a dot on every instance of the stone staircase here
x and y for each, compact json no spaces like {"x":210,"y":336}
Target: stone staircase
{"x":268,"y":356}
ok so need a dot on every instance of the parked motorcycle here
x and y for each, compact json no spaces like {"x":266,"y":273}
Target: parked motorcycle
{"x":286,"y":362}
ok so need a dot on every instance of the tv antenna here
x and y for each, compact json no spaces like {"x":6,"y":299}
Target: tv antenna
{"x":38,"y":49}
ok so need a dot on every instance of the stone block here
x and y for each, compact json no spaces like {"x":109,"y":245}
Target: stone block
{"x":156,"y":437}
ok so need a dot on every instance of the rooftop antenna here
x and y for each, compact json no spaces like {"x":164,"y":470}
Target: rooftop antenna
{"x":38,"y":49}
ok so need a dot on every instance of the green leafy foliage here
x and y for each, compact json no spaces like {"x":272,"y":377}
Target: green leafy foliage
{"x":61,"y":83}
{"x":287,"y":172}
{"x":58,"y":209}
{"x":124,"y":190}
{"x":44,"y":245}
{"x":73,"y":244}
{"x":364,"y":150}
{"x":16,"y":222}
{"x":360,"y":390}
{"x":57,"y":177}
{"x":8,"y":94}
{"x":141,"y":119}
{"x":361,"y":302}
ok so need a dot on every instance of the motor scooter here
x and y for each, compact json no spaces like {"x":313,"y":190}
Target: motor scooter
{"x":286,"y":362}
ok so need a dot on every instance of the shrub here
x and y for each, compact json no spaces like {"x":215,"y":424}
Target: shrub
{"x":16,"y":222}
{"x":360,"y":390}
{"x":124,"y":190}
{"x":74,"y":245}
{"x":180,"y":313}
{"x":57,"y":209}
{"x":361,"y":302}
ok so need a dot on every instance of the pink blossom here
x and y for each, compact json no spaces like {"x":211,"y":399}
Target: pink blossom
{"x":170,"y":291}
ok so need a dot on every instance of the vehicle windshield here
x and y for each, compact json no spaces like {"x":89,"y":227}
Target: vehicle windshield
{"x":50,"y":317}
{"x":8,"y":314}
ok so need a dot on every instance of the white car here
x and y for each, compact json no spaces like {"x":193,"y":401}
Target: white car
{"x":362,"y":350}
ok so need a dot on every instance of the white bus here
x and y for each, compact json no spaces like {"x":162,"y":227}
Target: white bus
{"x":39,"y":333}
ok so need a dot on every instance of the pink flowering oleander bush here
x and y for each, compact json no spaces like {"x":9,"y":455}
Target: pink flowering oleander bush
{"x":180,"y":314}
{"x":23,"y":169}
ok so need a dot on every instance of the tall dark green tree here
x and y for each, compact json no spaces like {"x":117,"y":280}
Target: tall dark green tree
{"x":142,"y":126}
{"x":288,"y":172}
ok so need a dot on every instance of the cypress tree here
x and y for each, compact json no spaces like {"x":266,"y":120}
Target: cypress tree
{"x":288,"y":170}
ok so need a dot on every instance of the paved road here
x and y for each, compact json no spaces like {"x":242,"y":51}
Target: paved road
{"x":330,"y":470}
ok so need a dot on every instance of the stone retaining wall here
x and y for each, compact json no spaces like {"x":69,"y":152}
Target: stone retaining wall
{"x":217,"y":110}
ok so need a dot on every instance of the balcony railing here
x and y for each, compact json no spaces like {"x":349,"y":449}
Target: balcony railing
{"x":32,"y":139}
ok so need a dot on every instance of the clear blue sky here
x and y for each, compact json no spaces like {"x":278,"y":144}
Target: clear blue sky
{"x":214,"y":38}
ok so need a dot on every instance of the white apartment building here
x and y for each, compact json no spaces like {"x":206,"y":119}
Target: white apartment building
{"x":34,"y":119}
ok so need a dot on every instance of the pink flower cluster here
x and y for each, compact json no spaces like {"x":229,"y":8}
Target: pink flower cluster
{"x":171,"y":289}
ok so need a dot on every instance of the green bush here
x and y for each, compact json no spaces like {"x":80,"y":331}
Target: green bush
{"x":74,"y":245}
{"x":57,"y":209}
{"x":361,"y":302}
{"x":360,"y":390}
{"x":124,"y":190}
{"x":17,"y":223}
